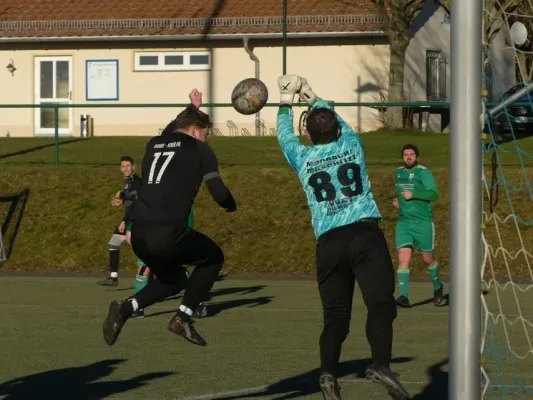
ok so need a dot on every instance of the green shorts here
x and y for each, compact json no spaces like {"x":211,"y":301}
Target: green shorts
{"x":416,"y":235}
{"x":192,"y":220}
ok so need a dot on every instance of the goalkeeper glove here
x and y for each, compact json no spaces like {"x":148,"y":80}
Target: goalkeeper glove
{"x":306,"y":92}
{"x":289,"y":85}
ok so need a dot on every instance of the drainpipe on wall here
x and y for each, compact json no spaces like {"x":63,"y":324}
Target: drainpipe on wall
{"x":254,"y":58}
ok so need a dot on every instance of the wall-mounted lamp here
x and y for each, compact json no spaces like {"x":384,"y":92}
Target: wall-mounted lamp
{"x":11,"y":67}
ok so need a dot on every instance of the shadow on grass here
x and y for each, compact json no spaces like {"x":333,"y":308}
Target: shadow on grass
{"x":236,"y":290}
{"x":437,"y":388}
{"x":17,"y":206}
{"x":446,"y":300}
{"x":37,"y":148}
{"x":305,"y":384}
{"x":216,"y":308}
{"x":74,"y":383}
{"x":220,"y":278}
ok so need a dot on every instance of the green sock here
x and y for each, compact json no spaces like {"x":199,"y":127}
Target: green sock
{"x":403,"y":279}
{"x":435,"y":276}
{"x":140,"y":282}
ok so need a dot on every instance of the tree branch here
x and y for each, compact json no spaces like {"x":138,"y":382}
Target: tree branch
{"x":382,"y":10}
{"x":412,"y":10}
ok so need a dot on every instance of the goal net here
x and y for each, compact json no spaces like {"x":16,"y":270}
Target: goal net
{"x":507,"y":238}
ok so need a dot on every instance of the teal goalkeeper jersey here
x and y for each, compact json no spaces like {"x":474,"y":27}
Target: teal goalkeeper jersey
{"x":418,"y":180}
{"x":334,"y":175}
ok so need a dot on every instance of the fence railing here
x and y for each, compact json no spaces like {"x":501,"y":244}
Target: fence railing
{"x":57,"y":106}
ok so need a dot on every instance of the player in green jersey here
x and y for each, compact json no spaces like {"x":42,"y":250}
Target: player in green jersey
{"x":415,"y":190}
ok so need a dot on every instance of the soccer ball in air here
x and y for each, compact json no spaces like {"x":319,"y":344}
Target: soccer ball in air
{"x":249,"y":96}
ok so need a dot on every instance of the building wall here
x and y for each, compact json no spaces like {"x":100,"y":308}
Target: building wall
{"x":430,"y":31}
{"x":335,"y":69}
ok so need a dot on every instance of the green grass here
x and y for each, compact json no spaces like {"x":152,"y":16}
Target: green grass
{"x":262,"y":344}
{"x":68,"y":219}
{"x":382,"y":150}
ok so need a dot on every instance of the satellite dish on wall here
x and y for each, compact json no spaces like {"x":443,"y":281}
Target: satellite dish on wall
{"x":519,"y":34}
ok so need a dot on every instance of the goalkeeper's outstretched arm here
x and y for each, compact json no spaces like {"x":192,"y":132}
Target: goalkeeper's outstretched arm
{"x":290,"y":145}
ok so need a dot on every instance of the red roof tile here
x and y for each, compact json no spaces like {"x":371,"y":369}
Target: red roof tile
{"x":69,"y":18}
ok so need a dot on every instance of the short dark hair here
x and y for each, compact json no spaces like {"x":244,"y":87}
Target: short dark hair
{"x":322,"y":125}
{"x":191,"y":116}
{"x":128,"y":159}
{"x":410,"y":146}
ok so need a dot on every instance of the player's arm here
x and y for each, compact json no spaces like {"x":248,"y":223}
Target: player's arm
{"x":431,"y":191}
{"x":289,"y":143}
{"x":218,"y":190}
{"x":307,"y":95}
{"x":196,"y":102}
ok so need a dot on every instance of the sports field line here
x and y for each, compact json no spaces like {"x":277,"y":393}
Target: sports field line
{"x":253,"y":309}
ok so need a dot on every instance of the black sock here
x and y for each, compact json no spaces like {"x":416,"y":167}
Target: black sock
{"x":113,"y":260}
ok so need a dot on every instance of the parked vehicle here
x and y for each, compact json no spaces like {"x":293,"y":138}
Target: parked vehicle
{"x":516,"y":119}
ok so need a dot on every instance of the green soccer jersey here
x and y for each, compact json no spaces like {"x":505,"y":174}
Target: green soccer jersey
{"x":418,"y":180}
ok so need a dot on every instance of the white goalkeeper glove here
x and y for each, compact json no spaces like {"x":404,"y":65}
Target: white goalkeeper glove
{"x":289,"y":85}
{"x":306,"y":92}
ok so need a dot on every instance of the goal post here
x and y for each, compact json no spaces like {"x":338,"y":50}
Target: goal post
{"x":465,"y":201}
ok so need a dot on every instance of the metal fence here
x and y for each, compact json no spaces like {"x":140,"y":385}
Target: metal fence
{"x":57,"y":106}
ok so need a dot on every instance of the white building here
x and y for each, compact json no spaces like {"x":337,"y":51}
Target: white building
{"x":154,"y":51}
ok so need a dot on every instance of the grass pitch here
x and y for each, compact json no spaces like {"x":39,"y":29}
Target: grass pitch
{"x":67,"y":220}
{"x":262,"y":344}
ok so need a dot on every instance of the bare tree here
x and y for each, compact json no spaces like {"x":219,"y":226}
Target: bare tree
{"x":397,"y":16}
{"x":499,"y":14}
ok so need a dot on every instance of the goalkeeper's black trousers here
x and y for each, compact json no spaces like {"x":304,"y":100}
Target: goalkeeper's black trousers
{"x":344,"y":255}
{"x":166,"y":249}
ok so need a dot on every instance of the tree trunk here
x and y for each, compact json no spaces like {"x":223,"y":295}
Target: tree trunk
{"x":399,"y":40}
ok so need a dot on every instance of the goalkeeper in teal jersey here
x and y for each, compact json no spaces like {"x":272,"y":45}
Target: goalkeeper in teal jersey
{"x":415,"y":190}
{"x":351,"y":246}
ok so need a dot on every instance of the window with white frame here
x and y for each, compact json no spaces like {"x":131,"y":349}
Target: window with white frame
{"x":172,"y":61}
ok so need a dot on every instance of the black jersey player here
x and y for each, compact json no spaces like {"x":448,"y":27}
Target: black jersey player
{"x":174,"y":166}
{"x":127,"y":196}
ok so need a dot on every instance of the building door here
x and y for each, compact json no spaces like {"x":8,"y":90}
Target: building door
{"x":53,"y":84}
